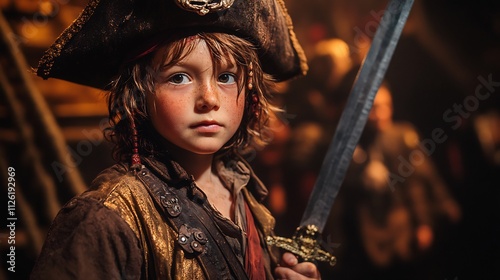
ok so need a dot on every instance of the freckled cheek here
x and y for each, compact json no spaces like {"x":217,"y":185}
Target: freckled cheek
{"x":165,"y":113}
{"x":237,"y":109}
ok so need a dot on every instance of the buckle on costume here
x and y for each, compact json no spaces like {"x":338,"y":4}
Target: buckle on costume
{"x":192,"y":240}
{"x":171,"y":204}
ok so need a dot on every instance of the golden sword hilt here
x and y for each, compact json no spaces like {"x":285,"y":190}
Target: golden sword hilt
{"x":304,"y":244}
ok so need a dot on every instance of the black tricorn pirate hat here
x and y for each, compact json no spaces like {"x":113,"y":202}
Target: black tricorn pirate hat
{"x":92,"y":49}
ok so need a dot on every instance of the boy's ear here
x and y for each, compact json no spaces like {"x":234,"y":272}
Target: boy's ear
{"x":92,"y":50}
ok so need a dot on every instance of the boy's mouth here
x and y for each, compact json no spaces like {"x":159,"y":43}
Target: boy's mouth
{"x":209,"y":126}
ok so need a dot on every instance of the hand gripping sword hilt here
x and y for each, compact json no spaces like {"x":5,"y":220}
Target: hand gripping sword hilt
{"x":305,"y":244}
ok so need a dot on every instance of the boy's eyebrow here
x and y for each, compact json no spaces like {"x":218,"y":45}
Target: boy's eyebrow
{"x":170,"y":65}
{"x":226,"y":64}
{"x":167,"y":65}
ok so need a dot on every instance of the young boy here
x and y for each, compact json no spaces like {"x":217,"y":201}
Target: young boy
{"x":188,"y":88}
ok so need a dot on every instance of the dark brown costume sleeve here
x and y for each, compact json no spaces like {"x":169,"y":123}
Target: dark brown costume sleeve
{"x":89,"y":241}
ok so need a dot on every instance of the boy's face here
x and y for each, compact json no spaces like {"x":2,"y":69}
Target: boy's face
{"x":194,"y":107}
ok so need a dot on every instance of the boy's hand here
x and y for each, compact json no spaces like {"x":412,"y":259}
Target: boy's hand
{"x":291,"y":269}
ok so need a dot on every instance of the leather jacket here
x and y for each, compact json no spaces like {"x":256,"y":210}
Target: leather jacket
{"x":117,"y":229}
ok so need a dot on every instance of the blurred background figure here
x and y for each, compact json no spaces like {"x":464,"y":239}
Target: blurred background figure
{"x":396,"y":207}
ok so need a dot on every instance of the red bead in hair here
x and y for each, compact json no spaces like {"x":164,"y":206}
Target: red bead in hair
{"x":135,"y":162}
{"x":255,"y":105}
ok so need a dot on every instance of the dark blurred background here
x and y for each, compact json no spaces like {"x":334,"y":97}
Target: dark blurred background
{"x":421,"y":198}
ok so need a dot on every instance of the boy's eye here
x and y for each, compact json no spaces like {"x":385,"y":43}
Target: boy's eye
{"x":179,"y":79}
{"x":227,"y":78}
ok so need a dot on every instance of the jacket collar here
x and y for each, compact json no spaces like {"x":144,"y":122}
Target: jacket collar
{"x":234,"y":171}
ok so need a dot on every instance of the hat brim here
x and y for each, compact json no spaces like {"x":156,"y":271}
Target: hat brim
{"x":92,"y":49}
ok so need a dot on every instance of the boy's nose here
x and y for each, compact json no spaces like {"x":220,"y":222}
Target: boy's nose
{"x":208,"y":98}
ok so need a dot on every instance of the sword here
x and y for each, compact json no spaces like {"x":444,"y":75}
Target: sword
{"x":305,"y":241}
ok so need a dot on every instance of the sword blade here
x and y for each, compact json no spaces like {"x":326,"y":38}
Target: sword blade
{"x":355,"y":114}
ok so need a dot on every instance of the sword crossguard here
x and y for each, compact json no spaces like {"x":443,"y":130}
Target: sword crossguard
{"x":305,"y":244}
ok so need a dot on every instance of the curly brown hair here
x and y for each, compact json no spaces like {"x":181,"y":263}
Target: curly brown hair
{"x":127,"y":94}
